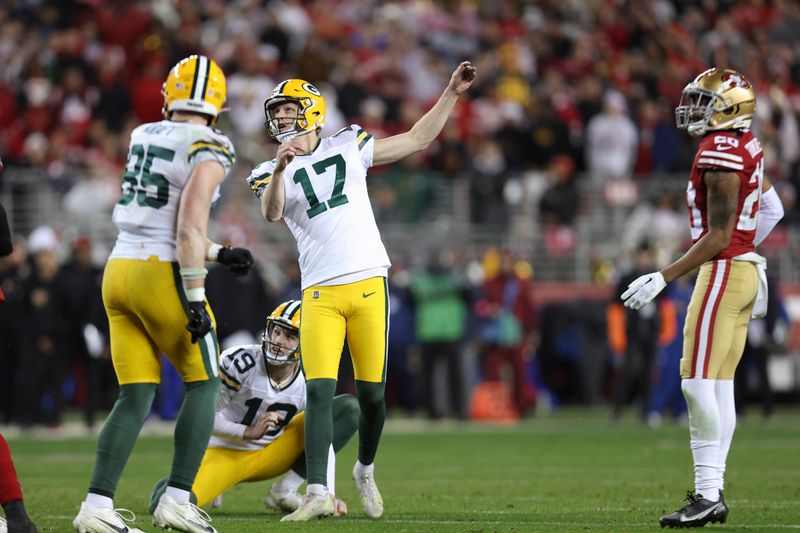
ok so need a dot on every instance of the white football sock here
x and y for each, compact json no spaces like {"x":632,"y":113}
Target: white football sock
{"x":99,"y":501}
{"x":704,"y":430}
{"x":363,"y":470}
{"x":179,"y":495}
{"x":291,"y":481}
{"x":723,"y":390}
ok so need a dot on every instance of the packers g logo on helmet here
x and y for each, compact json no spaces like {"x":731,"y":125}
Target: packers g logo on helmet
{"x":195,"y":84}
{"x":310,"y":113}
{"x":287,"y":315}
{"x":717,"y":99}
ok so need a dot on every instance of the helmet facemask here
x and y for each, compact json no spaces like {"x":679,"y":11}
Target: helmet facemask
{"x":288,"y":132}
{"x":278,"y":354}
{"x":695,"y":109}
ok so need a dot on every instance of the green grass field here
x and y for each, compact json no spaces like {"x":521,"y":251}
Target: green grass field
{"x":571,"y":471}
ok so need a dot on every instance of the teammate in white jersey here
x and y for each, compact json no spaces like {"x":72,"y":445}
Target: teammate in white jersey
{"x":319,"y":187}
{"x":258,"y":427}
{"x":153,"y":286}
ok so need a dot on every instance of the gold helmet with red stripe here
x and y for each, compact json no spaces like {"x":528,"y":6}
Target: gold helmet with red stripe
{"x":717,"y":99}
{"x":195,"y":84}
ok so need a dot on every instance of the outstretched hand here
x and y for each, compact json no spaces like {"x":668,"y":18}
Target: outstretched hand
{"x":643,"y":289}
{"x":462,"y":78}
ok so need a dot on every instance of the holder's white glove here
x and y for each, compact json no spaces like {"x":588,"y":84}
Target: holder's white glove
{"x":643,"y":289}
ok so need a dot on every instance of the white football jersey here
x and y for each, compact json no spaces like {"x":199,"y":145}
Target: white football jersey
{"x":161,"y":158}
{"x":327,"y":208}
{"x":246,"y":393}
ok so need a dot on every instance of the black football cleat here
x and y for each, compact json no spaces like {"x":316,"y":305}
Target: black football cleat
{"x":697,"y":513}
{"x":722,"y":512}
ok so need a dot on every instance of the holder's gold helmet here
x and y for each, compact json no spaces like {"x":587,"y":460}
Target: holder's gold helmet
{"x":195,"y":84}
{"x":310,"y":115}
{"x":717,"y":99}
{"x":287,"y":315}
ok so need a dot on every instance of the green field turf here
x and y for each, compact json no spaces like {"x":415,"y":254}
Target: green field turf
{"x":571,"y":471}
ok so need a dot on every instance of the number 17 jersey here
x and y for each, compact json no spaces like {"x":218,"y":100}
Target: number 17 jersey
{"x":327,"y":209}
{"x":728,"y":151}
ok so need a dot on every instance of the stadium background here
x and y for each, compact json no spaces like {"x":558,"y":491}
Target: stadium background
{"x":561,"y":163}
{"x":559,"y":168}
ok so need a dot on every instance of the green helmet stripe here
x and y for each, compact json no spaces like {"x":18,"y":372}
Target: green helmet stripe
{"x":291,"y":310}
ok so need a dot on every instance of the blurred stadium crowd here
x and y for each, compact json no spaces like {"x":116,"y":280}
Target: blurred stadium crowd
{"x":572,"y":96}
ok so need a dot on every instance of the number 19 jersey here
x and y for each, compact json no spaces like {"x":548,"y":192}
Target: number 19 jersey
{"x":728,"y":151}
{"x":161,"y":158}
{"x":327,"y":209}
{"x":247,"y":393}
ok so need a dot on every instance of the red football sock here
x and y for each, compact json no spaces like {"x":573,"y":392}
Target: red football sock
{"x":9,"y":485}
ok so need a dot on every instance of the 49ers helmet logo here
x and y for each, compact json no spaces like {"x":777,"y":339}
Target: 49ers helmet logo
{"x":734,"y":80}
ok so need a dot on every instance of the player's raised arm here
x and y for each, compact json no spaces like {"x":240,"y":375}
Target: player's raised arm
{"x":422,"y":134}
{"x":274,"y":196}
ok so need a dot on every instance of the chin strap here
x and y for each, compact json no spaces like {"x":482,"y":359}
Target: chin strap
{"x":290,"y":135}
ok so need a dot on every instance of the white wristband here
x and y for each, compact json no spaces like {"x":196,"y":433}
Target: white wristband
{"x":189,"y":274}
{"x":213,"y":251}
{"x":198,"y":294}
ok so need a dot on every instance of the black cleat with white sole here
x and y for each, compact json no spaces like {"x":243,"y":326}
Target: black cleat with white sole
{"x":697,"y":513}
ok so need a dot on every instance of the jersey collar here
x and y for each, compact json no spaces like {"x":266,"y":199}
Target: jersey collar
{"x":286,"y":382}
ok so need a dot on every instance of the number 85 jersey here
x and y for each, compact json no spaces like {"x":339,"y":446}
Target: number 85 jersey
{"x":728,"y":151}
{"x":161,"y":159}
{"x":247,"y":393}
{"x":327,"y":209}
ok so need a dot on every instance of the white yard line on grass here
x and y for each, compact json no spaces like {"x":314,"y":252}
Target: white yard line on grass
{"x":422,"y":521}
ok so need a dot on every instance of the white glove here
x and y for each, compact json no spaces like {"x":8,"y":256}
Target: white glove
{"x":643,"y":289}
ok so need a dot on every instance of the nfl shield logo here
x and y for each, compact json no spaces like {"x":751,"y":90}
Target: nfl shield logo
{"x":315,"y":295}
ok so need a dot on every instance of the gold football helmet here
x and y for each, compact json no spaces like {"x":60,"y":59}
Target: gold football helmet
{"x":717,"y":99}
{"x":195,"y":84}
{"x":310,"y":113}
{"x":287,"y":315}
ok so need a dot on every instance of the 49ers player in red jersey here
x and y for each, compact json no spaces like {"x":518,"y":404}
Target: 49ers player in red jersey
{"x":732,"y":207}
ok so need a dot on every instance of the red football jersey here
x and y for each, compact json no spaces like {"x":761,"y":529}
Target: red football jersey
{"x":729,"y":151}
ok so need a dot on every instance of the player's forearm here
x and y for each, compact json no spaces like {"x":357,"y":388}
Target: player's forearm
{"x":272,"y":199}
{"x":192,"y":225}
{"x":191,"y":250}
{"x":228,"y":429}
{"x":705,"y":249}
{"x":430,"y":125}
